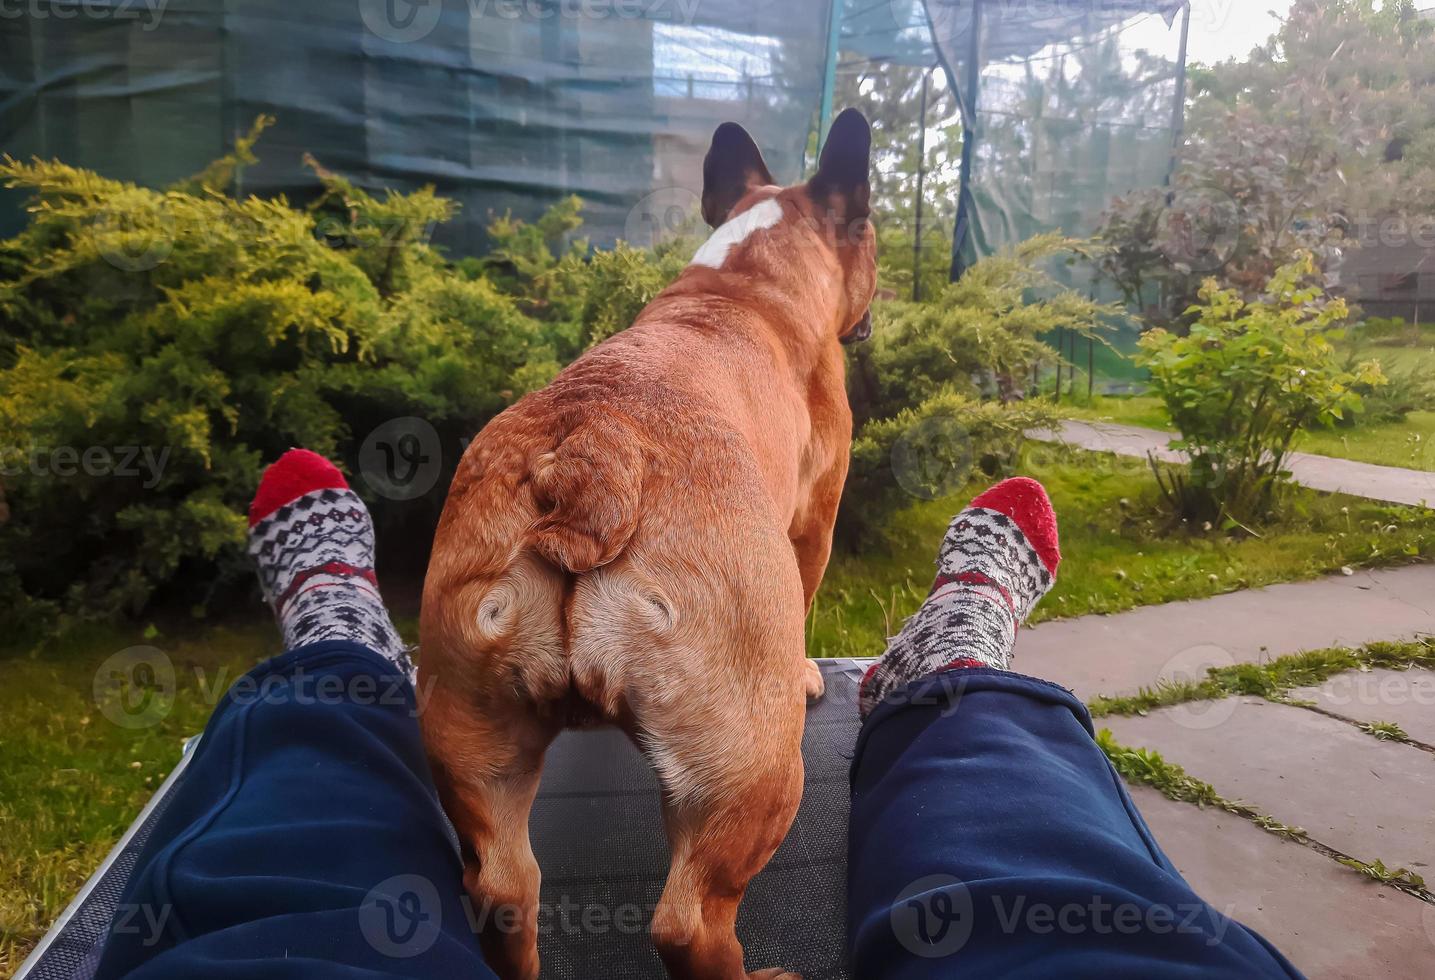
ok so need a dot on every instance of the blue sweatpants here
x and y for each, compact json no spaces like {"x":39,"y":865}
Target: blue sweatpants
{"x":305,"y":841}
{"x":990,"y":837}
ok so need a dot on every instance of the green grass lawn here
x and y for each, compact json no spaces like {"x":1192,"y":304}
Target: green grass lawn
{"x":1410,"y":444}
{"x":71,"y":779}
{"x":1142,"y":410}
{"x":1118,"y":552}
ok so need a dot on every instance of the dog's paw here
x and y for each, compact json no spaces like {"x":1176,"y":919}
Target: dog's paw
{"x":813,"y":684}
{"x":776,"y":973}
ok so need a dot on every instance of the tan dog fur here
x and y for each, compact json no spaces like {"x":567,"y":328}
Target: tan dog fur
{"x":638,"y":543}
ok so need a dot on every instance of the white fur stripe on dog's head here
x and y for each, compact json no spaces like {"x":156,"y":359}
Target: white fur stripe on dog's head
{"x":734,"y":232}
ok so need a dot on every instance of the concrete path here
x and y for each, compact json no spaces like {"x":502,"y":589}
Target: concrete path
{"x":1118,"y":654}
{"x":1388,"y":483}
{"x":1364,"y":797}
{"x":1405,"y":697}
{"x":1332,"y":923}
{"x":1308,"y":767}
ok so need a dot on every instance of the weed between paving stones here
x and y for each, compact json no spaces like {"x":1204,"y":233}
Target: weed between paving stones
{"x":1271,"y":681}
{"x":1148,"y":768}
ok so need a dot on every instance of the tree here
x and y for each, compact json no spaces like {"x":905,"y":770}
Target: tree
{"x":1326,"y":130}
{"x":889,"y":95}
{"x":1239,"y":207}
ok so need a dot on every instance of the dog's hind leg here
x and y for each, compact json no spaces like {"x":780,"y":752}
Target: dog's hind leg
{"x":705,"y":672}
{"x":493,"y":667}
{"x":727,"y":746}
{"x":489,"y":802}
{"x":722,"y":828}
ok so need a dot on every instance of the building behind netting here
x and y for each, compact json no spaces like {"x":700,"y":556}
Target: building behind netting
{"x":509,"y":105}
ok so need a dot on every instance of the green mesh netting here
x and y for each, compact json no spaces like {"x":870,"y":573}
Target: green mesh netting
{"x":511,"y":104}
{"x":502,"y":104}
{"x":1066,"y":104}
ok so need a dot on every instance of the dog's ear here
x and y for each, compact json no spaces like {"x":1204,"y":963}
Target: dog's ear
{"x":732,"y":167}
{"x":842,"y":178}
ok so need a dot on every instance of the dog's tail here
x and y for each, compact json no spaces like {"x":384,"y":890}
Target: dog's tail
{"x":589,"y":488}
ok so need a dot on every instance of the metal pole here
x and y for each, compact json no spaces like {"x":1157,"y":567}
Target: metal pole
{"x":1090,"y":368}
{"x":1072,"y":380}
{"x":1178,"y":112}
{"x":829,"y":80}
{"x":969,"y":121}
{"x":921,"y":179}
{"x":1060,"y":356}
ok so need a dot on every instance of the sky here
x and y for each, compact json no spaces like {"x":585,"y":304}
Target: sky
{"x":1222,"y":29}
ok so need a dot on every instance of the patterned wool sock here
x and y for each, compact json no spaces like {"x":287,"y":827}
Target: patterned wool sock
{"x":997,"y":561}
{"x":313,"y":542}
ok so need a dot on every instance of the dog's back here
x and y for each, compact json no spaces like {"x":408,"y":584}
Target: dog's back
{"x":533,"y":583}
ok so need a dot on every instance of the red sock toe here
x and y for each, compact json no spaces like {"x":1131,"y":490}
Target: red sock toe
{"x":1025,"y":502}
{"x":297,"y":472}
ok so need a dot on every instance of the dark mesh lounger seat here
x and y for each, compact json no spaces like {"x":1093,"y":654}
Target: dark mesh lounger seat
{"x":599,"y":839}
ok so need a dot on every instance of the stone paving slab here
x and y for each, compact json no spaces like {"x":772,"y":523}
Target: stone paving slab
{"x":1366,"y":798}
{"x":1406,"y":697}
{"x":1329,"y":921}
{"x":1328,"y":473}
{"x":1117,"y":654}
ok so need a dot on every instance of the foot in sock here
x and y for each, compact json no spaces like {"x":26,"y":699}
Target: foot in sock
{"x":313,"y":543}
{"x":998,"y":559}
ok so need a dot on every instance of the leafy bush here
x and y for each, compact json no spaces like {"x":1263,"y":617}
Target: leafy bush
{"x":928,"y":452}
{"x":1240,"y":386}
{"x":979,"y":335}
{"x":608,"y":290}
{"x":581,"y":296}
{"x":1402,"y":391}
{"x":938,"y":393}
{"x":215,"y":333}
{"x":1387,"y":330}
{"x":1393,"y":397}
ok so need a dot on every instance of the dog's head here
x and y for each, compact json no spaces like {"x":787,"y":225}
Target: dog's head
{"x":817,"y":230}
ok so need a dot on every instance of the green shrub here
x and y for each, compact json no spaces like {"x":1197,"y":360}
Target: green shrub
{"x":608,"y":290}
{"x":215,"y":333}
{"x":1402,"y":391}
{"x":929,"y":452}
{"x":938,"y":391}
{"x":1377,"y":329}
{"x":979,"y":335}
{"x":1242,"y":383}
{"x":580,"y":296}
{"x":1394,"y":397}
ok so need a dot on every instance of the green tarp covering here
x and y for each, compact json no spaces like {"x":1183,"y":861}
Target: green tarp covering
{"x":508,"y":105}
{"x":501,"y":104}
